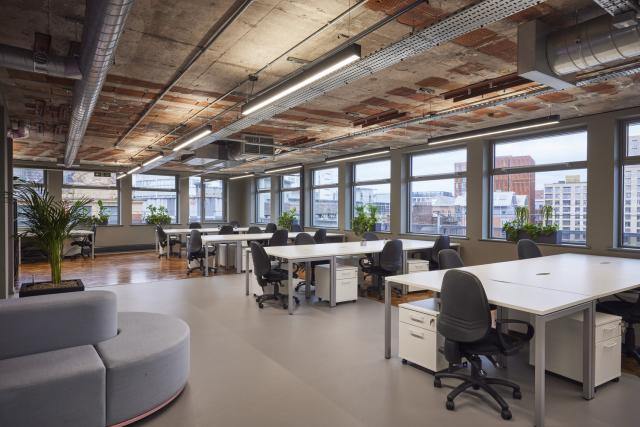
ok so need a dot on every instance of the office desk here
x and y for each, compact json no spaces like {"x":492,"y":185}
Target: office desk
{"x":329,"y":251}
{"x":74,"y":233}
{"x":231,"y":238}
{"x":206,"y":230}
{"x":548,"y":288}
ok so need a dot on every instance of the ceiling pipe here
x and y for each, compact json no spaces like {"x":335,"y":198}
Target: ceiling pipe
{"x":103,"y":27}
{"x":17,"y":58}
{"x":616,"y":7}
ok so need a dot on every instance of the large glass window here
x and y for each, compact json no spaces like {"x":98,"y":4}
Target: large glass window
{"x":372,"y":186}
{"x":538,"y":171}
{"x":438,"y":192}
{"x":290,"y":194}
{"x":211,"y":199}
{"x":324,"y":207}
{"x":263,"y":200}
{"x":27,"y":177}
{"x":630,"y":187}
{"x":99,"y":186}
{"x":153,"y":190}
{"x":195,"y":199}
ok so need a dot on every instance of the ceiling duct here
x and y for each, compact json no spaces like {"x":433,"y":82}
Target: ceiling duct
{"x":17,"y":58}
{"x":553,"y":58}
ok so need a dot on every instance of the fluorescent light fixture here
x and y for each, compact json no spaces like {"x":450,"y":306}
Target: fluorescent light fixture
{"x":194,"y":138}
{"x":514,"y":127}
{"x":249,"y":175}
{"x":358,"y":156}
{"x":324,"y":68}
{"x":284,"y":169}
{"x":155,"y":159}
{"x":121,"y":176}
{"x":133,"y":170}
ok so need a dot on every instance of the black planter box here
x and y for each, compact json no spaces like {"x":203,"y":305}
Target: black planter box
{"x":26,"y":289}
{"x":553,"y":238}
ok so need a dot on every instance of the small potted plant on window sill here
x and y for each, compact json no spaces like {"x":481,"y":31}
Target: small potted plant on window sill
{"x":101,"y":218}
{"x":157,"y":215}
{"x":522,"y":228}
{"x":365,"y":220}
{"x":287,"y":219}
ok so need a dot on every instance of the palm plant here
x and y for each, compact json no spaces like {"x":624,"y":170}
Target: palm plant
{"x":49,"y":222}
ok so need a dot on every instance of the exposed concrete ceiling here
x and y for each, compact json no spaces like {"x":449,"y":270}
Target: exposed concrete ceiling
{"x":161,"y":34}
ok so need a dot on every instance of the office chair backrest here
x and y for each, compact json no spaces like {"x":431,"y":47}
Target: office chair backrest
{"x":254,"y":229}
{"x":391,"y":256}
{"x":370,"y":236}
{"x":226,"y":229}
{"x":448,"y":258}
{"x":261,"y":261}
{"x":92,"y":237}
{"x":296,"y":228}
{"x":279,"y":238}
{"x":528,"y":249}
{"x":234,"y":224}
{"x":320,"y":236}
{"x":162,"y":236}
{"x":442,"y":242}
{"x":271,"y":228}
{"x":195,"y":242}
{"x":193,"y":225}
{"x":465,"y":315}
{"x":304,"y":239}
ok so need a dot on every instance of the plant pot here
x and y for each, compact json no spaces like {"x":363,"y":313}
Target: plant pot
{"x":553,"y":238}
{"x":46,"y":288}
{"x":523,"y":235}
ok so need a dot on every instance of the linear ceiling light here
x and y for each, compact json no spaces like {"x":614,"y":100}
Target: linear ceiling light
{"x":358,"y":156}
{"x":133,"y":170}
{"x":324,"y":68}
{"x":285,"y":169}
{"x":249,"y":175}
{"x":512,"y":127}
{"x":194,"y":138}
{"x":155,"y":159}
{"x":121,"y":176}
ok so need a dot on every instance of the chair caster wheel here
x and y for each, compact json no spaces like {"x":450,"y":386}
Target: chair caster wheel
{"x":404,"y":361}
{"x":285,"y":306}
{"x":517,"y":394}
{"x":475,"y":387}
{"x":437,"y":384}
{"x":505,"y":414}
{"x":450,"y":405}
{"x":261,"y":305}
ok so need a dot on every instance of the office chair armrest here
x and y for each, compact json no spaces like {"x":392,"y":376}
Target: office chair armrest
{"x":529,"y":335}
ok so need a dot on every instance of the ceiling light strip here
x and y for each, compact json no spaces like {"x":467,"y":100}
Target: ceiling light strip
{"x":284,"y":169}
{"x":357,"y":156}
{"x":155,"y":159}
{"x":193,"y":139}
{"x":249,"y":175}
{"x":137,"y":168}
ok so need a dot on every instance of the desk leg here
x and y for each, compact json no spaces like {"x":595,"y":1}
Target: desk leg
{"x":246,"y":273}
{"x":308,"y":274}
{"x":290,"y":285}
{"x":387,"y":320}
{"x":93,"y":245}
{"x":500,"y":316}
{"x":588,"y":343}
{"x":332,"y":297}
{"x":216,"y":260}
{"x":540,"y":327}
{"x":238,"y":257}
{"x":206,"y":259}
{"x":19,"y":249}
{"x":405,"y":270}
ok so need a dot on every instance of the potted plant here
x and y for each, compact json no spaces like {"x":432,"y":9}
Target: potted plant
{"x":287,"y":219}
{"x":157,"y":215}
{"x":50,"y":222}
{"x":548,"y":232}
{"x":365,"y":219}
{"x":522,"y":228}
{"x":101,"y":218}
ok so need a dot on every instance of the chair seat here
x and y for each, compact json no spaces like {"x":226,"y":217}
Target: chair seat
{"x":491,"y":344}
{"x":276,"y":275}
{"x":627,"y":310}
{"x":379,"y":271}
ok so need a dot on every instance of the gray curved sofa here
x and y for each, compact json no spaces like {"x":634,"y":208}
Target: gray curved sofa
{"x":73,"y":360}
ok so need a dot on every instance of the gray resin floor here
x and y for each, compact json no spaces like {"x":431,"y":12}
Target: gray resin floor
{"x":325,"y":367}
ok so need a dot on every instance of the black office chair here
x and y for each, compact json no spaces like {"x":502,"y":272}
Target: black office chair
{"x":367,"y":261}
{"x":465,"y":323}
{"x":234,"y":224}
{"x":320,"y":235}
{"x":449,"y":258}
{"x":630,"y":313}
{"x":226,"y":229}
{"x":370,"y":236}
{"x":195,"y":225}
{"x":267,"y":275}
{"x":270,"y":228}
{"x":296,"y":228}
{"x":165,"y":241}
{"x":441,"y":242}
{"x":389,"y":264}
{"x":528,"y":249}
{"x":306,"y":239}
{"x":279,"y":238}
{"x":195,"y":252}
{"x":254,"y":229}
{"x":86,"y":243}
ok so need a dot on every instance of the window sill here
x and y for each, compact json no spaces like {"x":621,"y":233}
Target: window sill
{"x":414,"y":235}
{"x":561,"y":245}
{"x":627,"y":250}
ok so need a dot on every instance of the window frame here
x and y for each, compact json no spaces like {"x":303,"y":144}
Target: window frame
{"x":96,"y":187}
{"x":176,"y":190}
{"x":550,"y":167}
{"x":435,"y":177}
{"x":202,"y":197}
{"x":625,"y":160}
{"x":315,"y":186}
{"x":259,"y":191}
{"x":31,"y":184}
{"x":355,"y":184}
{"x":299,"y":189}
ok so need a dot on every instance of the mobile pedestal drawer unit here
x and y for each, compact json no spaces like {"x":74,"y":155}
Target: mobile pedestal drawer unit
{"x":346,"y":282}
{"x":413,"y":266}
{"x":564,"y":347}
{"x":419,"y":342}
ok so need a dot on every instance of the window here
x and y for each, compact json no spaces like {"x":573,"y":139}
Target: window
{"x":27,"y":177}
{"x":324,"y":206}
{"x":195,"y":199}
{"x":153,"y":190}
{"x":212,"y":199}
{"x":263,"y":200}
{"x":98,"y":186}
{"x":372,"y":185}
{"x":290,"y":192}
{"x":438,"y":192}
{"x":526,"y":170}
{"x":631,"y":176}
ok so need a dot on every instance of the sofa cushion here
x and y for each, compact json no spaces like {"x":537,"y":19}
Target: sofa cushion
{"x":147,"y":363}
{"x":57,"y":388}
{"x":51,"y":322}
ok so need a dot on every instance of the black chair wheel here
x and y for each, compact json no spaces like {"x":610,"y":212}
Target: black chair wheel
{"x":285,"y":306}
{"x":261,"y":305}
{"x":505,"y":414}
{"x":475,"y":387}
{"x":437,"y":383}
{"x":517,"y":394}
{"x":404,"y":361}
{"x":450,"y":405}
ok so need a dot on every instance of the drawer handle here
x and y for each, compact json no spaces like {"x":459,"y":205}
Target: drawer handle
{"x":416,"y":318}
{"x":613,"y":344}
{"x":432,"y":322}
{"x":416,"y":334}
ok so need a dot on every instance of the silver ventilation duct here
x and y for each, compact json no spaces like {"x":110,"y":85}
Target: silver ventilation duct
{"x":103,"y":26}
{"x":615,"y":7}
{"x":17,"y":58}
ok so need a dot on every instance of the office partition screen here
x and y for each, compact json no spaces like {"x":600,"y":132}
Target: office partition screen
{"x":324,"y":198}
{"x":153,"y":190}
{"x":263,"y":200}
{"x":98,"y":186}
{"x":372,"y":186}
{"x":630,"y":187}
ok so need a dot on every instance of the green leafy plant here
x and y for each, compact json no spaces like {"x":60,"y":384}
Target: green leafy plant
{"x":365,"y":219}
{"x":49,"y":222}
{"x":547,"y":226}
{"x":157,"y":215}
{"x":101,"y":218}
{"x":521,"y":223}
{"x":287,"y":219}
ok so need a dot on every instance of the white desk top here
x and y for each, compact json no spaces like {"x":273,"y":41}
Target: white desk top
{"x":222,"y":238}
{"x":572,"y":279}
{"x":203,"y":230}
